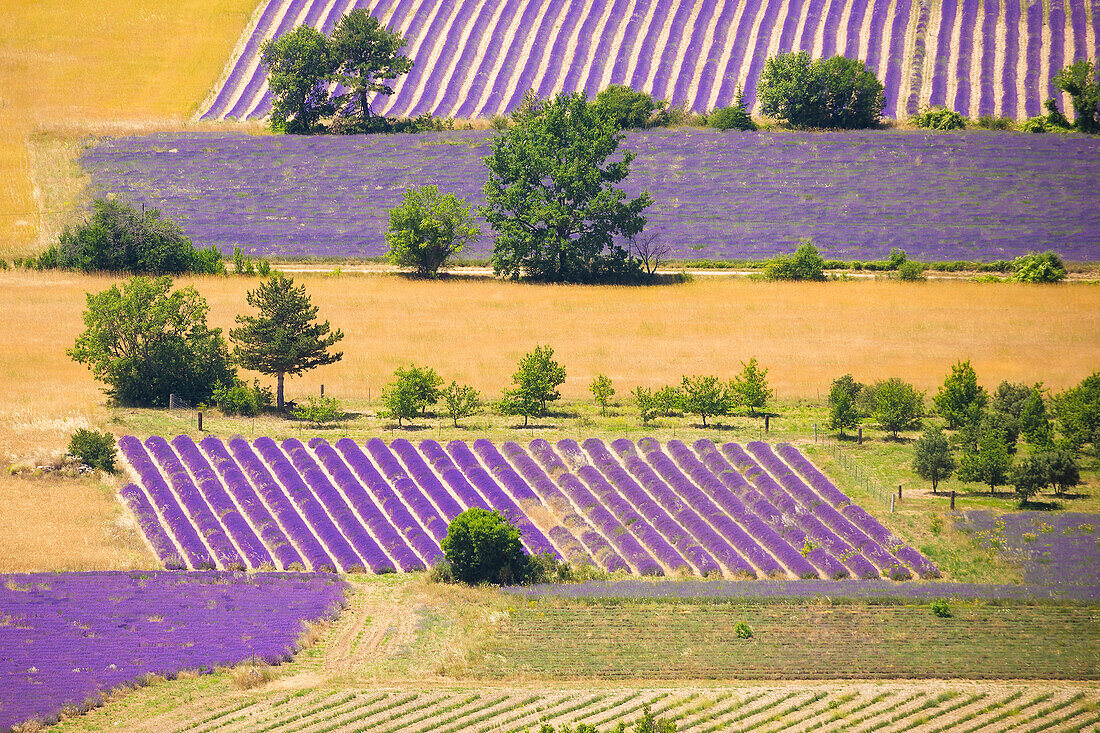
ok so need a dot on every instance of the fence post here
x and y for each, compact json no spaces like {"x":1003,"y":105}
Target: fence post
{"x":200,"y":422}
{"x":899,"y":491}
{"x":860,"y":435}
{"x":815,"y":432}
{"x":891,"y":503}
{"x":952,"y":500}
{"x":322,"y":390}
{"x":767,"y":423}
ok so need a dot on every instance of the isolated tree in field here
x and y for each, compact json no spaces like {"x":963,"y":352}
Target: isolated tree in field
{"x":804,"y":264}
{"x":460,"y":400}
{"x":833,"y":92}
{"x":1081,"y":81}
{"x":898,"y":405}
{"x":484,"y":547}
{"x":1062,"y":470}
{"x":989,"y":462}
{"x":366,"y":56}
{"x":284,"y":337}
{"x":411,"y":391}
{"x":553,"y":199}
{"x":602,"y":390}
{"x":299,"y":68}
{"x":536,"y":381}
{"x":750,"y":388}
{"x":146,"y":342}
{"x":706,"y":396}
{"x":932,"y":457}
{"x":960,"y":400}
{"x":428,"y":229}
{"x":843,"y":413}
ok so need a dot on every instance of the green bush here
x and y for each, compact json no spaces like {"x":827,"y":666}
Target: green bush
{"x":735,"y":117}
{"x":834,"y":92}
{"x":940,"y":609}
{"x":939,"y":118}
{"x":911,"y":271}
{"x":482,"y":546}
{"x":1034,"y":125}
{"x":319,"y":411}
{"x":804,"y":264}
{"x":743,"y":630}
{"x":628,"y":108}
{"x":992,"y":122}
{"x":237,"y":398}
{"x":94,"y":449}
{"x":1038,"y":267}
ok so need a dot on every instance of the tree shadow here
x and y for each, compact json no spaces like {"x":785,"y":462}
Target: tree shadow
{"x":533,"y":426}
{"x":410,"y":427}
{"x":1041,"y":505}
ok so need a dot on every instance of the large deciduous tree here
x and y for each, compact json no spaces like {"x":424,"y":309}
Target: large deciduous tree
{"x":932,"y":457}
{"x":285,"y":337}
{"x":553,"y":197}
{"x":1080,"y":81}
{"x":834,"y":92}
{"x":429,"y":228}
{"x":898,"y":405}
{"x":365,"y":56}
{"x":960,"y":401}
{"x":299,"y":67}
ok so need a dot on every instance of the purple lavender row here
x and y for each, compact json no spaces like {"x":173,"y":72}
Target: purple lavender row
{"x":896,"y":60}
{"x":624,"y":513}
{"x":250,"y":51}
{"x":526,"y":499}
{"x":461,"y":71}
{"x":402,"y":9}
{"x":1012,"y":52}
{"x":255,"y":84}
{"x":195,"y":505}
{"x":312,"y":511}
{"x":627,"y":545}
{"x":244,"y":537}
{"x":530,"y":66}
{"x":968,"y":9}
{"x":714,"y":57}
{"x":1081,"y":40}
{"x":760,"y":52}
{"x":728,"y":88}
{"x":391,"y":527}
{"x":604,"y":55}
{"x":444,"y":66}
{"x":352,"y":526}
{"x":817,"y":479}
{"x":499,"y":499}
{"x":649,"y":50}
{"x":427,"y":516}
{"x":855,"y":26}
{"x":150,"y":527}
{"x":588,"y":37}
{"x":667,"y":496}
{"x":826,"y":540}
{"x":830,"y":23}
{"x":175,"y":518}
{"x":672,"y":50}
{"x":879,"y":12}
{"x":431,"y":487}
{"x":453,"y":477}
{"x":593,"y":544}
{"x":495,"y":101}
{"x":276,"y":497}
{"x":734,"y":494}
{"x":678,"y":88}
{"x":556,"y":58}
{"x":488,"y":66}
{"x":938,"y":94}
{"x":1032,"y":105}
{"x":1057,"y":23}
{"x":987,"y":103}
{"x":728,"y":524}
{"x":701,"y":561}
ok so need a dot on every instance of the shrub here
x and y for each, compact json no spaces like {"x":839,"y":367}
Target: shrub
{"x":626,"y":107}
{"x":735,"y":117}
{"x":319,"y":411}
{"x":1034,"y":125}
{"x":428,"y":229}
{"x":484,"y":547}
{"x":94,"y":449}
{"x":940,"y":608}
{"x":743,"y":630}
{"x":939,"y":118}
{"x":646,"y":402}
{"x":237,"y":398}
{"x":460,"y":400}
{"x":804,"y":264}
{"x":992,"y":122}
{"x":834,"y":92}
{"x":910,"y":271}
{"x":1038,"y":267}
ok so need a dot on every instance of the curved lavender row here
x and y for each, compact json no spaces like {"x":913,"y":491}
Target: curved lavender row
{"x":710,"y":65}
{"x":176,"y":519}
{"x":494,"y":101}
{"x":251,"y":546}
{"x":728,"y":88}
{"x":668,"y":495}
{"x":760,"y":52}
{"x":987,"y":103}
{"x":648,"y":52}
{"x":256,"y":83}
{"x":938,"y":94}
{"x":752,"y":524}
{"x":830,"y":567}
{"x":430,"y":487}
{"x":518,"y":490}
{"x":679,"y":87}
{"x":627,"y":545}
{"x":819,"y":481}
{"x":604,"y":54}
{"x":281,"y":504}
{"x":489,"y":64}
{"x":556,"y":58}
{"x":855,"y":24}
{"x":671,"y":51}
{"x":701,"y":561}
{"x":442,"y":68}
{"x":363,"y":544}
{"x":968,"y":9}
{"x":462,"y":70}
{"x":499,"y":499}
{"x":1057,"y":23}
{"x":392,"y":526}
{"x":594,"y":544}
{"x":830,"y":23}
{"x":624,"y":513}
{"x":195,"y":505}
{"x":428,"y":518}
{"x":272,"y":535}
{"x":879,"y":12}
{"x":896,"y":59}
{"x":150,"y":527}
{"x":1032,"y":104}
{"x":287,"y":475}
{"x":531,"y":63}
{"x":447,"y":469}
{"x":250,"y":50}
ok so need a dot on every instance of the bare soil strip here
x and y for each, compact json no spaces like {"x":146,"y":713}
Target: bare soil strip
{"x":608,"y":63}
{"x":723,"y":67}
{"x":416,"y":43}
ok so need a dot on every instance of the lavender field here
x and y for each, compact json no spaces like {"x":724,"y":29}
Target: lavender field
{"x":971,"y":196}
{"x":1055,"y":550}
{"x":475,"y":59}
{"x":65,"y":639}
{"x":647,"y":509}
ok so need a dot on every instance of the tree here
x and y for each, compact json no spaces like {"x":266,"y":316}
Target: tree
{"x":484,"y":547}
{"x":834,"y":92}
{"x":120,"y":238}
{"x":146,"y":342}
{"x":735,"y":117}
{"x":898,"y":405}
{"x":366,"y":57}
{"x":1078,"y":413}
{"x":669,"y":399}
{"x":989,"y":462}
{"x":649,"y":250}
{"x":1034,"y":420}
{"x":626,"y":107}
{"x":552,"y":195}
{"x":460,"y":400}
{"x":804,"y":264}
{"x":299,"y":68}
{"x":1029,"y":477}
{"x":647,"y":404}
{"x":1080,"y":81}
{"x":94,"y":449}
{"x":603,"y":391}
{"x":284,"y":338}
{"x":843,"y":413}
{"x":537,"y":379}
{"x":410,"y":392}
{"x":429,"y":228}
{"x":706,"y":396}
{"x":932,"y":457}
{"x":1062,"y":470}
{"x":425,"y":383}
{"x":960,"y":399}
{"x":1038,"y":267}
{"x":750,"y":388}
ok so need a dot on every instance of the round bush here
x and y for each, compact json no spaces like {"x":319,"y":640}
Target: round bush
{"x":484,"y":547}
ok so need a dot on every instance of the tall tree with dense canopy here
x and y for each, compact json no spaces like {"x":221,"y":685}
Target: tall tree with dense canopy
{"x":833,"y":92}
{"x":553,"y":198}
{"x":482,"y":546}
{"x":428,"y":229}
{"x":1080,"y":80}
{"x":932,"y":457}
{"x":989,"y":462}
{"x":960,"y":400}
{"x":843,"y":412}
{"x":366,"y":57}
{"x":898,"y":405}
{"x":285,"y":337}
{"x":299,"y":67}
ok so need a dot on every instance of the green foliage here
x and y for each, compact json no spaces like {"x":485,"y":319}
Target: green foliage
{"x":95,"y":449}
{"x":237,"y":398}
{"x":1029,"y":477}
{"x":299,"y":68}
{"x":832,"y":93}
{"x":843,"y":413}
{"x":940,"y":608}
{"x":284,"y":337}
{"x":670,"y":400}
{"x":391,"y":125}
{"x":625,"y":107}
{"x":648,"y":723}
{"x":545,"y":568}
{"x":735,"y":117}
{"x":911,"y":271}
{"x":1034,"y":420}
{"x":743,"y":630}
{"x":1035,"y":125}
{"x":602,"y":390}
{"x":1063,"y":472}
{"x":932,"y":457}
{"x":992,"y":122}
{"x":460,"y":400}
{"x":245,"y":265}
{"x":429,"y":228}
{"x":750,"y":388}
{"x":537,"y":379}
{"x":897,"y":405}
{"x":319,"y":411}
{"x":411,"y":391}
{"x":939,"y":118}
{"x":120,"y":238}
{"x":706,"y":396}
{"x":989,"y":462}
{"x":1055,"y":119}
{"x":553,"y":198}
{"x":484,"y":547}
{"x":364,"y":56}
{"x":1038,"y":267}
{"x":1078,"y":413}
{"x":804,"y":264}
{"x":1080,"y":80}
{"x":647,"y":404}
{"x":146,"y":342}
{"x":960,"y":400}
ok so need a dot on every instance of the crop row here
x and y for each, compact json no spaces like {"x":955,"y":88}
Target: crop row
{"x":476,"y":59}
{"x":647,"y":509}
